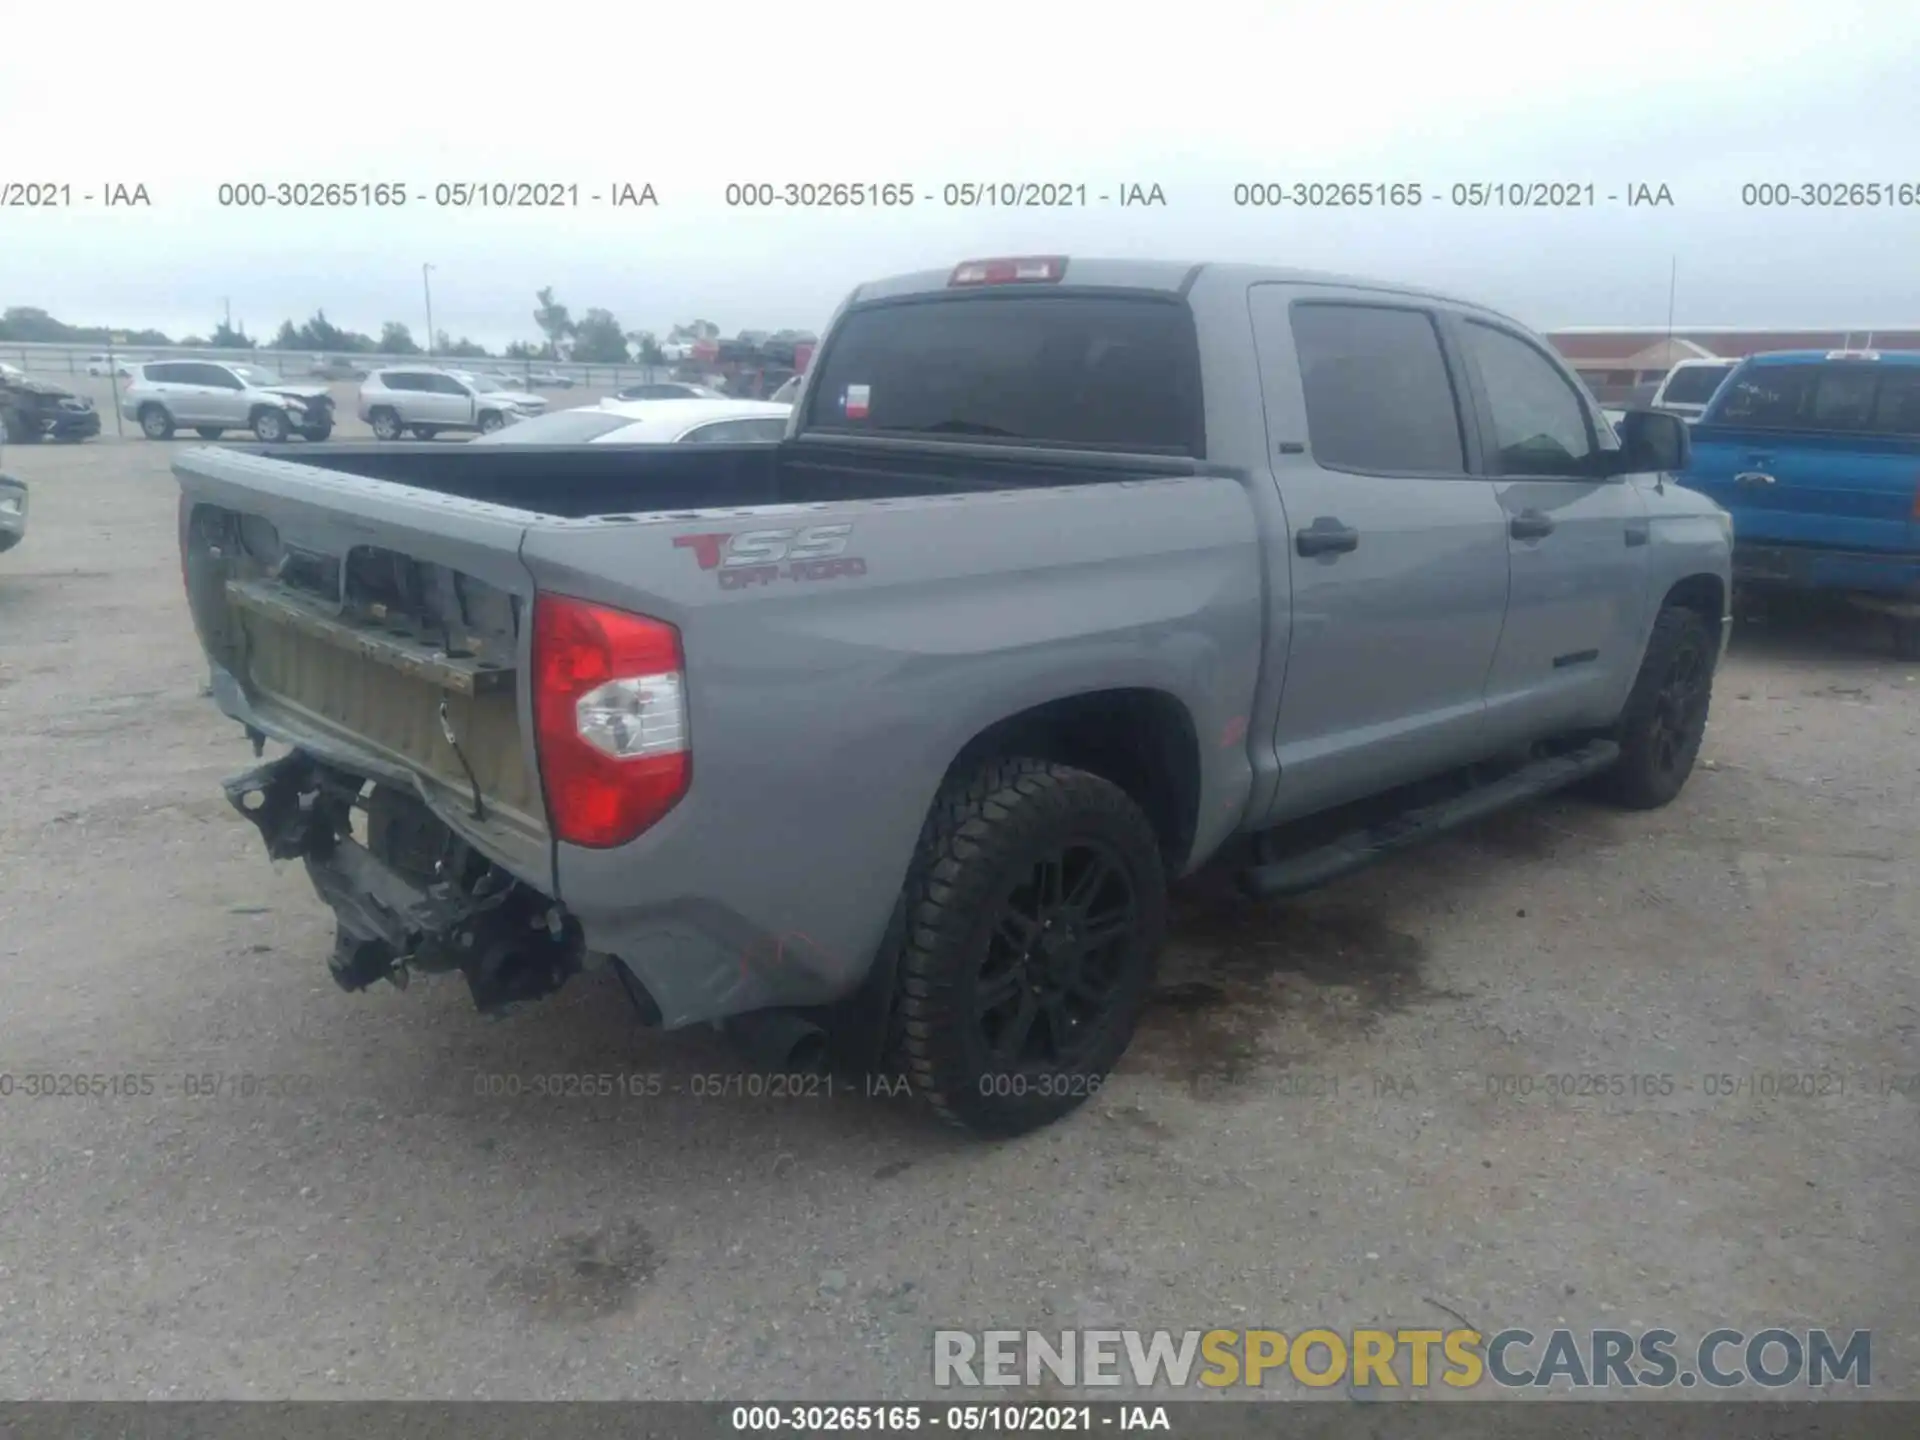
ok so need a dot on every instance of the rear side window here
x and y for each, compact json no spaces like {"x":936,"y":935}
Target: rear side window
{"x":168,"y":374}
{"x":1379,"y":397}
{"x":1119,"y":373}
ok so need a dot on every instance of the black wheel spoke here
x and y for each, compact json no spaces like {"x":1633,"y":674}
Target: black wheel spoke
{"x":1015,"y":931}
{"x":1059,"y":1026}
{"x":1106,"y":930}
{"x":1013,"y":1039}
{"x":996,"y":991}
{"x":1086,"y":889}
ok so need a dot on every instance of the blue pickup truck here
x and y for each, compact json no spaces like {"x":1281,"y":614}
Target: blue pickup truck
{"x":1817,"y":456}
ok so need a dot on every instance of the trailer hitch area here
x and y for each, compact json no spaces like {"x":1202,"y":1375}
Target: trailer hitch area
{"x":513,"y":944}
{"x":299,"y":806}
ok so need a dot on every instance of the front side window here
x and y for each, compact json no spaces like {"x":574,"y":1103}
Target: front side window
{"x":1378,"y":394}
{"x":1539,"y":421}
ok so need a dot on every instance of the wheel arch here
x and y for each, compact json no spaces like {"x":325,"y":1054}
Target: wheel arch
{"x":1142,"y":740}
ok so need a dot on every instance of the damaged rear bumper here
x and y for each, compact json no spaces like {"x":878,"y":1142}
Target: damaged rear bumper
{"x":512,"y":943}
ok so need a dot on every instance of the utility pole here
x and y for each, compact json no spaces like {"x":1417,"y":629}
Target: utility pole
{"x":427,"y":286}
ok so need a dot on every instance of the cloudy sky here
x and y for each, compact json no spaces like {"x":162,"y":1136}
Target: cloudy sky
{"x":1703,"y":97}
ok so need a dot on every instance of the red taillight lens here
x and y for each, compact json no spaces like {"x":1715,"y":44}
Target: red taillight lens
{"x":1022,"y":270}
{"x":610,"y":719}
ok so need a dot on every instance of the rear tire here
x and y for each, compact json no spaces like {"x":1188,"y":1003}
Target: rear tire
{"x":1034,"y":913}
{"x":208,"y":432}
{"x":1665,"y":718}
{"x":155,"y":422}
{"x":385,"y":423}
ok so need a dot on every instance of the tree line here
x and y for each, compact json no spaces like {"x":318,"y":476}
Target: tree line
{"x":595,"y":338}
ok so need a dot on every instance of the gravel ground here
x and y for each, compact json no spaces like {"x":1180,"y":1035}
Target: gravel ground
{"x":1309,"y":1130}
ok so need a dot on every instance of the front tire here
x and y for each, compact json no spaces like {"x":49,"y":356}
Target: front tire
{"x":424,"y":432}
{"x":1034,"y":913}
{"x":155,"y":422}
{"x":386,"y":424}
{"x":490,"y":422}
{"x":1665,"y":719}
{"x":317,"y":433}
{"x":269,"y":427}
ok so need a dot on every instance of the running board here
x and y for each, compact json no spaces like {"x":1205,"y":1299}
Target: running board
{"x":1312,"y":868}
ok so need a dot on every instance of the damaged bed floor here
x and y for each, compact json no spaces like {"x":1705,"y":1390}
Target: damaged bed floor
{"x":330,"y":1195}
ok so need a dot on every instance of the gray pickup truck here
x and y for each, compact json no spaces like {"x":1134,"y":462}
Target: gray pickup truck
{"x":882,"y":744}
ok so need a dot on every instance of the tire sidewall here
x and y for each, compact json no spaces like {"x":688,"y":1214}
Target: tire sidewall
{"x":974,"y":1089}
{"x":386,"y":425}
{"x":1638,"y":779}
{"x":155,"y":423}
{"x":270,"y":427}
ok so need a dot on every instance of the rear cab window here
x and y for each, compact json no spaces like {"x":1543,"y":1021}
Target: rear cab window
{"x":1093,"y":371}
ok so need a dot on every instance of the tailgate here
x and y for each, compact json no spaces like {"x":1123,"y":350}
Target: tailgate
{"x":1830,"y":491}
{"x":377,"y":626}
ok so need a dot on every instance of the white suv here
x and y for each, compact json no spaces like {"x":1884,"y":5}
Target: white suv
{"x":215,"y":398}
{"x":426,"y":401}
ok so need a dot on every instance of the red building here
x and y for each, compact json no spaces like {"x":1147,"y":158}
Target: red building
{"x":1616,"y":363}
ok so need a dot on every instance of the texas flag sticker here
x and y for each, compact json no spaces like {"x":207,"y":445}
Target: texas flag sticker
{"x":854,"y":402}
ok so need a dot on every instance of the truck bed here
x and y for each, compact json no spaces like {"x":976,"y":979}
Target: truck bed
{"x":578,"y":481}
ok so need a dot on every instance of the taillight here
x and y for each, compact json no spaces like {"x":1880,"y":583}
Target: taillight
{"x":610,"y":719}
{"x":1023,"y":270}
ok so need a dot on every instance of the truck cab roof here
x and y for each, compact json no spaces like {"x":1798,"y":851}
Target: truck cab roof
{"x":1170,"y":277}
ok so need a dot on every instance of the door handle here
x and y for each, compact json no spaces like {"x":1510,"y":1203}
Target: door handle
{"x":1326,"y":536}
{"x":1530,"y":525}
{"x":1754,"y":477}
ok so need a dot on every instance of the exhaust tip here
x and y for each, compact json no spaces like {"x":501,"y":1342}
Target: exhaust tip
{"x":780,"y":1041}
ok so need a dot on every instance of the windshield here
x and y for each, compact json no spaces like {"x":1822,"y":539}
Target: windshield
{"x":472,"y":381}
{"x":1695,"y":384}
{"x":563,"y":427}
{"x":254,"y":375}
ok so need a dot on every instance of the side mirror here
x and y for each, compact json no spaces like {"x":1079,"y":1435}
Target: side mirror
{"x":1652,"y":440}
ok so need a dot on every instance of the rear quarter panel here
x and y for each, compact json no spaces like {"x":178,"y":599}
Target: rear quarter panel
{"x":825,"y":714}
